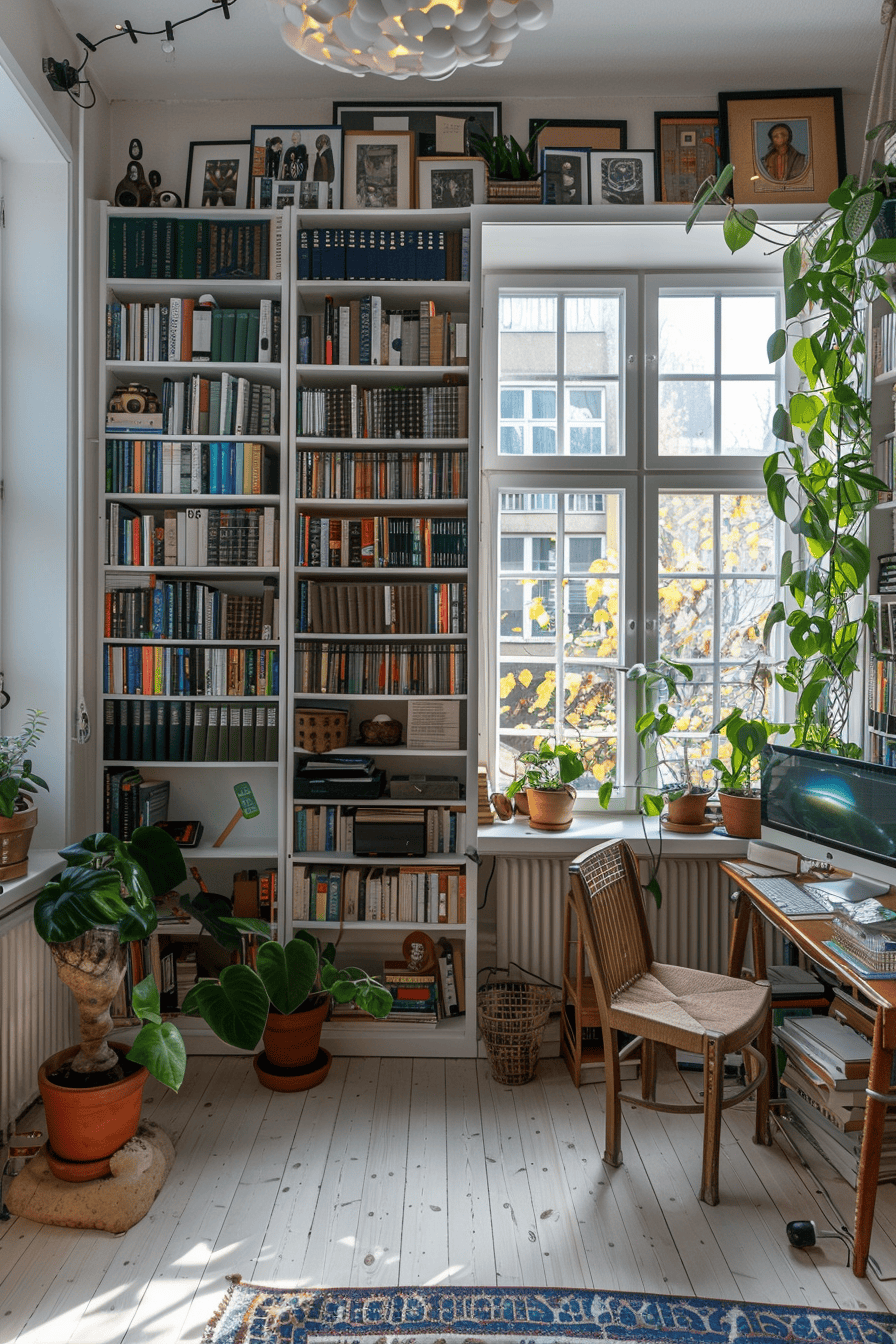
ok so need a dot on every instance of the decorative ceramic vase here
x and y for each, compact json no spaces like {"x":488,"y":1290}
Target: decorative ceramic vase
{"x":688,"y":810}
{"x":742,"y":814}
{"x":292,"y":1040}
{"x":551,"y":809}
{"x":88,"y":1125}
{"x":15,"y":839}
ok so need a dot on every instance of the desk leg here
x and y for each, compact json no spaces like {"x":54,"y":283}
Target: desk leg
{"x":742,"y":911}
{"x":875,"y":1111}
{"x":760,"y":970}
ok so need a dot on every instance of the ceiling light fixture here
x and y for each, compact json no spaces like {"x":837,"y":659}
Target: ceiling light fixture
{"x":398,"y":39}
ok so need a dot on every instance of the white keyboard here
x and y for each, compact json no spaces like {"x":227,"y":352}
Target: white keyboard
{"x":792,"y":898}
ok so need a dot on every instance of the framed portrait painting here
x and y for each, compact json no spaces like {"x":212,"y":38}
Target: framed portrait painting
{"x":786,"y":146}
{"x":218,"y":174}
{"x":436,"y":127}
{"x":300,"y":154}
{"x":623,"y":178}
{"x":379,"y":167}
{"x":565,"y":176}
{"x":443,"y":182}
{"x":687,"y":153}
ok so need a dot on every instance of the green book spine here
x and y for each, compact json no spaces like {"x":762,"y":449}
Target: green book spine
{"x":217,"y":332}
{"x":240,"y":335}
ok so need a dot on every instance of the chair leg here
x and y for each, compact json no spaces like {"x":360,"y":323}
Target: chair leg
{"x":648,"y":1070}
{"x":613,"y":1153}
{"x":763,"y":1133}
{"x":713,"y":1086}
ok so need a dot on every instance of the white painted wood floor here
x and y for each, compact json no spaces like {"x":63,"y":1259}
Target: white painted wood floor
{"x":426,"y":1172}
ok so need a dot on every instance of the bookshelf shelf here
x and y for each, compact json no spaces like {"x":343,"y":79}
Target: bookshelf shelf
{"x":312,"y":292}
{"x":308,"y":441}
{"x":270,"y":440}
{"x":149,"y":764}
{"x":214,"y":572}
{"x":377,"y":373}
{"x":329,"y":505}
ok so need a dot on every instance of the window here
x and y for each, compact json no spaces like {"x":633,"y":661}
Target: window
{"x":577,"y":595}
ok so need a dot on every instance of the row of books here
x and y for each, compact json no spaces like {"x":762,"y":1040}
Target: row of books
{"x":156,"y":669}
{"x":883,"y":344}
{"x":883,"y":632}
{"x":380,"y":669}
{"x":183,"y":329}
{"x":380,"y":542}
{"x":165,"y":467}
{"x":438,"y":411}
{"x":882,"y":689}
{"x":130,"y":801}
{"x":182,"y":609}
{"x":383,"y":254}
{"x":363,"y":332}
{"x":426,"y":997}
{"x":255,"y":894}
{"x":886,"y":569}
{"x":886,"y":462}
{"x":241,"y":536}
{"x":331,"y":828}
{"x":172,"y":961}
{"x":187,"y":730}
{"x":352,"y":893}
{"x":226,"y":405}
{"x":381,"y":608}
{"x":381,"y":474}
{"x":881,"y":748}
{"x":156,"y":247}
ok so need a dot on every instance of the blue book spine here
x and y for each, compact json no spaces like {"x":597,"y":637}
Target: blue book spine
{"x":158,"y":612}
{"x":214,"y":469}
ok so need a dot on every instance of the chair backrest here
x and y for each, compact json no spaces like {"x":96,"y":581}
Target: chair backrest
{"x":610,"y":909}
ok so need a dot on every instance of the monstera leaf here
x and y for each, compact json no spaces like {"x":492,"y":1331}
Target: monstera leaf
{"x":80,"y":899}
{"x":288,"y":972}
{"x":235,"y":1006}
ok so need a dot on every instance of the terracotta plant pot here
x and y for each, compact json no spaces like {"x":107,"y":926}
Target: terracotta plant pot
{"x":742,"y":814}
{"x":292,"y":1080}
{"x":688,"y":810}
{"x":551,"y":809}
{"x":292,"y":1040}
{"x":15,"y":839}
{"x":88,"y":1124}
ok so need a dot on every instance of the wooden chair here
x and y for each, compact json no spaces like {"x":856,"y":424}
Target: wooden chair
{"x":711,"y":1015}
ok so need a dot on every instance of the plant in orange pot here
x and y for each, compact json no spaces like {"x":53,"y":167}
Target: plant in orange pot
{"x":547,"y":779}
{"x":739,"y":795}
{"x":18,"y":810}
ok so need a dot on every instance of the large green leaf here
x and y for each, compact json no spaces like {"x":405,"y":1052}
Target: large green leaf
{"x":776,"y":345}
{"x":288,"y":971}
{"x":792,"y":262}
{"x":82,"y":898}
{"x":738,"y":228}
{"x":883,"y":250}
{"x":861,"y":215}
{"x":796,"y":296}
{"x":159,"y":856}
{"x":214,"y":913}
{"x":235,"y":1006}
{"x":712,"y":190}
{"x":160,"y":1047}
{"x":145,"y":1001}
{"x":92,"y":847}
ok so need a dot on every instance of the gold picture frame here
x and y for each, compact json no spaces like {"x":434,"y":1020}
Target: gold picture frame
{"x":787,"y":146}
{"x":379,"y":172}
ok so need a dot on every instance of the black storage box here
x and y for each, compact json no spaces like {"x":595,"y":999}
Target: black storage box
{"x":406,"y":839}
{"x":313,"y":784}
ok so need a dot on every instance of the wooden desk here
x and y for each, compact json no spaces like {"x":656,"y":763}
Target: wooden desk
{"x":809,"y":935}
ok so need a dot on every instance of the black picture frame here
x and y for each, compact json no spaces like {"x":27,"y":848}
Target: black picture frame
{"x":706,"y":157}
{"x":739,"y":115}
{"x":561,"y":133}
{"x":359,"y":115}
{"x":204,"y":153}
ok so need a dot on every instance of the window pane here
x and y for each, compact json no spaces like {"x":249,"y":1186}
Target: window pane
{"x":528,"y":610}
{"x":686,"y":334}
{"x":747,"y":411}
{"x":512,"y":439}
{"x":747,"y":322}
{"x":528,"y":335}
{"x":686,"y":422}
{"x":685,"y":534}
{"x":592,"y":615}
{"x":512,"y":553}
{"x":513,"y":404}
{"x":544,"y":404}
{"x":592,"y":334}
{"x":747,"y":534}
{"x":544,"y":440}
{"x":745,"y":606}
{"x":581,"y":553}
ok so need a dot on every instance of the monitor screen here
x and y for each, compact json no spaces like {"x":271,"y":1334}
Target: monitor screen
{"x":831,"y":803}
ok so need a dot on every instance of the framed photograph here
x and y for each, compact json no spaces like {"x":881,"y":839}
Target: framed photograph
{"x":378,"y":170}
{"x":578,"y":133}
{"x":218,"y":174}
{"x":565,"y":176}
{"x":300,"y":154}
{"x":625,"y":178}
{"x":687,"y":153}
{"x":272,"y":194}
{"x":444,"y":182}
{"x":785,"y":146}
{"x":437,"y":127}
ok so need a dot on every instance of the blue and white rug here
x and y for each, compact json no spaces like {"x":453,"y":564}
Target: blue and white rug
{"x":251,"y":1314}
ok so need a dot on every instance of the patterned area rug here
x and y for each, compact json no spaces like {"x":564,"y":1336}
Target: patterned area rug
{"x":251,"y":1314}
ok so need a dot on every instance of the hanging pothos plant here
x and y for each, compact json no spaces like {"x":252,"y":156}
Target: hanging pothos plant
{"x":820,"y":480}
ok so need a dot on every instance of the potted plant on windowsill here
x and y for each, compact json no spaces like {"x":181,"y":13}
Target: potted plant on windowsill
{"x":513,"y":173}
{"x":18,"y":810}
{"x":102,"y":900}
{"x":547,"y":781}
{"x":284,"y":999}
{"x":739,"y":796}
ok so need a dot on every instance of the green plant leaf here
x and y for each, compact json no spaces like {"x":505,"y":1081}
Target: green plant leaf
{"x":775,"y":616}
{"x":235,"y":1006}
{"x":287,"y":971}
{"x":214,"y":913}
{"x":145,"y":1001}
{"x":792,"y":263}
{"x":883,"y":250}
{"x":79,"y":899}
{"x":778,"y":493}
{"x":777,"y":345}
{"x":605,"y":793}
{"x":795,"y":299}
{"x":738,"y":228}
{"x":159,"y":856}
{"x":709,"y":191}
{"x":652,"y":803}
{"x":160,"y":1048}
{"x":860,"y":215}
{"x":655,"y":890}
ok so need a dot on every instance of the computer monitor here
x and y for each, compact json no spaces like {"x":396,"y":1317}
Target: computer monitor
{"x":836,"y":809}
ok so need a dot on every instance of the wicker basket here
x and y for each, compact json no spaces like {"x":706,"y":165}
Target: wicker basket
{"x":512,"y":1017}
{"x":526,"y":192}
{"x":321,"y":729}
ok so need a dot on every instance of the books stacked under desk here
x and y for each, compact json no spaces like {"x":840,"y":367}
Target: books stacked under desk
{"x":825,"y":1081}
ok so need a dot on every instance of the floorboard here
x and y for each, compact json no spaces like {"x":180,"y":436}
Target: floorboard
{"x":402,"y":1172}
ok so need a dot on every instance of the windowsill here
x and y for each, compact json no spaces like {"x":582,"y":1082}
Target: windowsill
{"x":42,"y":864}
{"x":517,"y":838}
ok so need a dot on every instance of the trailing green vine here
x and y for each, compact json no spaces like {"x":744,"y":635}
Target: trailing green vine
{"x":820,"y":480}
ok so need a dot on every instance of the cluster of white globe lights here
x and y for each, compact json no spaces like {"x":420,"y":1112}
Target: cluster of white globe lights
{"x":391,"y":37}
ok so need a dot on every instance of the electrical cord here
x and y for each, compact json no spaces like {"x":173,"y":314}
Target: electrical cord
{"x":128,"y":29}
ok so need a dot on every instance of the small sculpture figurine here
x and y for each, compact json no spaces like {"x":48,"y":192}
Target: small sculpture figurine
{"x":133,"y":189}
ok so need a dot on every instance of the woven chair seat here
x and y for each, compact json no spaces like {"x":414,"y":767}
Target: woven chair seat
{"x":678,"y":1006}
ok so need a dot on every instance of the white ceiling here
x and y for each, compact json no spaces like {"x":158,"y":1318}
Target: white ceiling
{"x":590,"y":49}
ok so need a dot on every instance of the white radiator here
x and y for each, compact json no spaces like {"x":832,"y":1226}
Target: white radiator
{"x":37,"y":1016}
{"x":691,"y":928}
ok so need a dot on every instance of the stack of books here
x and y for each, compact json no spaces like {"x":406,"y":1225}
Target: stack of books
{"x":332,"y":776}
{"x":795,"y":984}
{"x":486,"y":815}
{"x":824,"y":1080}
{"x":415,"y":994}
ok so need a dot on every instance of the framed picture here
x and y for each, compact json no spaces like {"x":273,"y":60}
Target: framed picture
{"x":625,"y":178}
{"x":378,"y":170}
{"x":687,"y":153}
{"x":578,"y":133}
{"x":273,"y":194}
{"x":565,"y":176}
{"x":453,"y":183}
{"x":218,"y":173}
{"x":785,"y":146}
{"x":300,"y":154}
{"x":437,"y":127}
